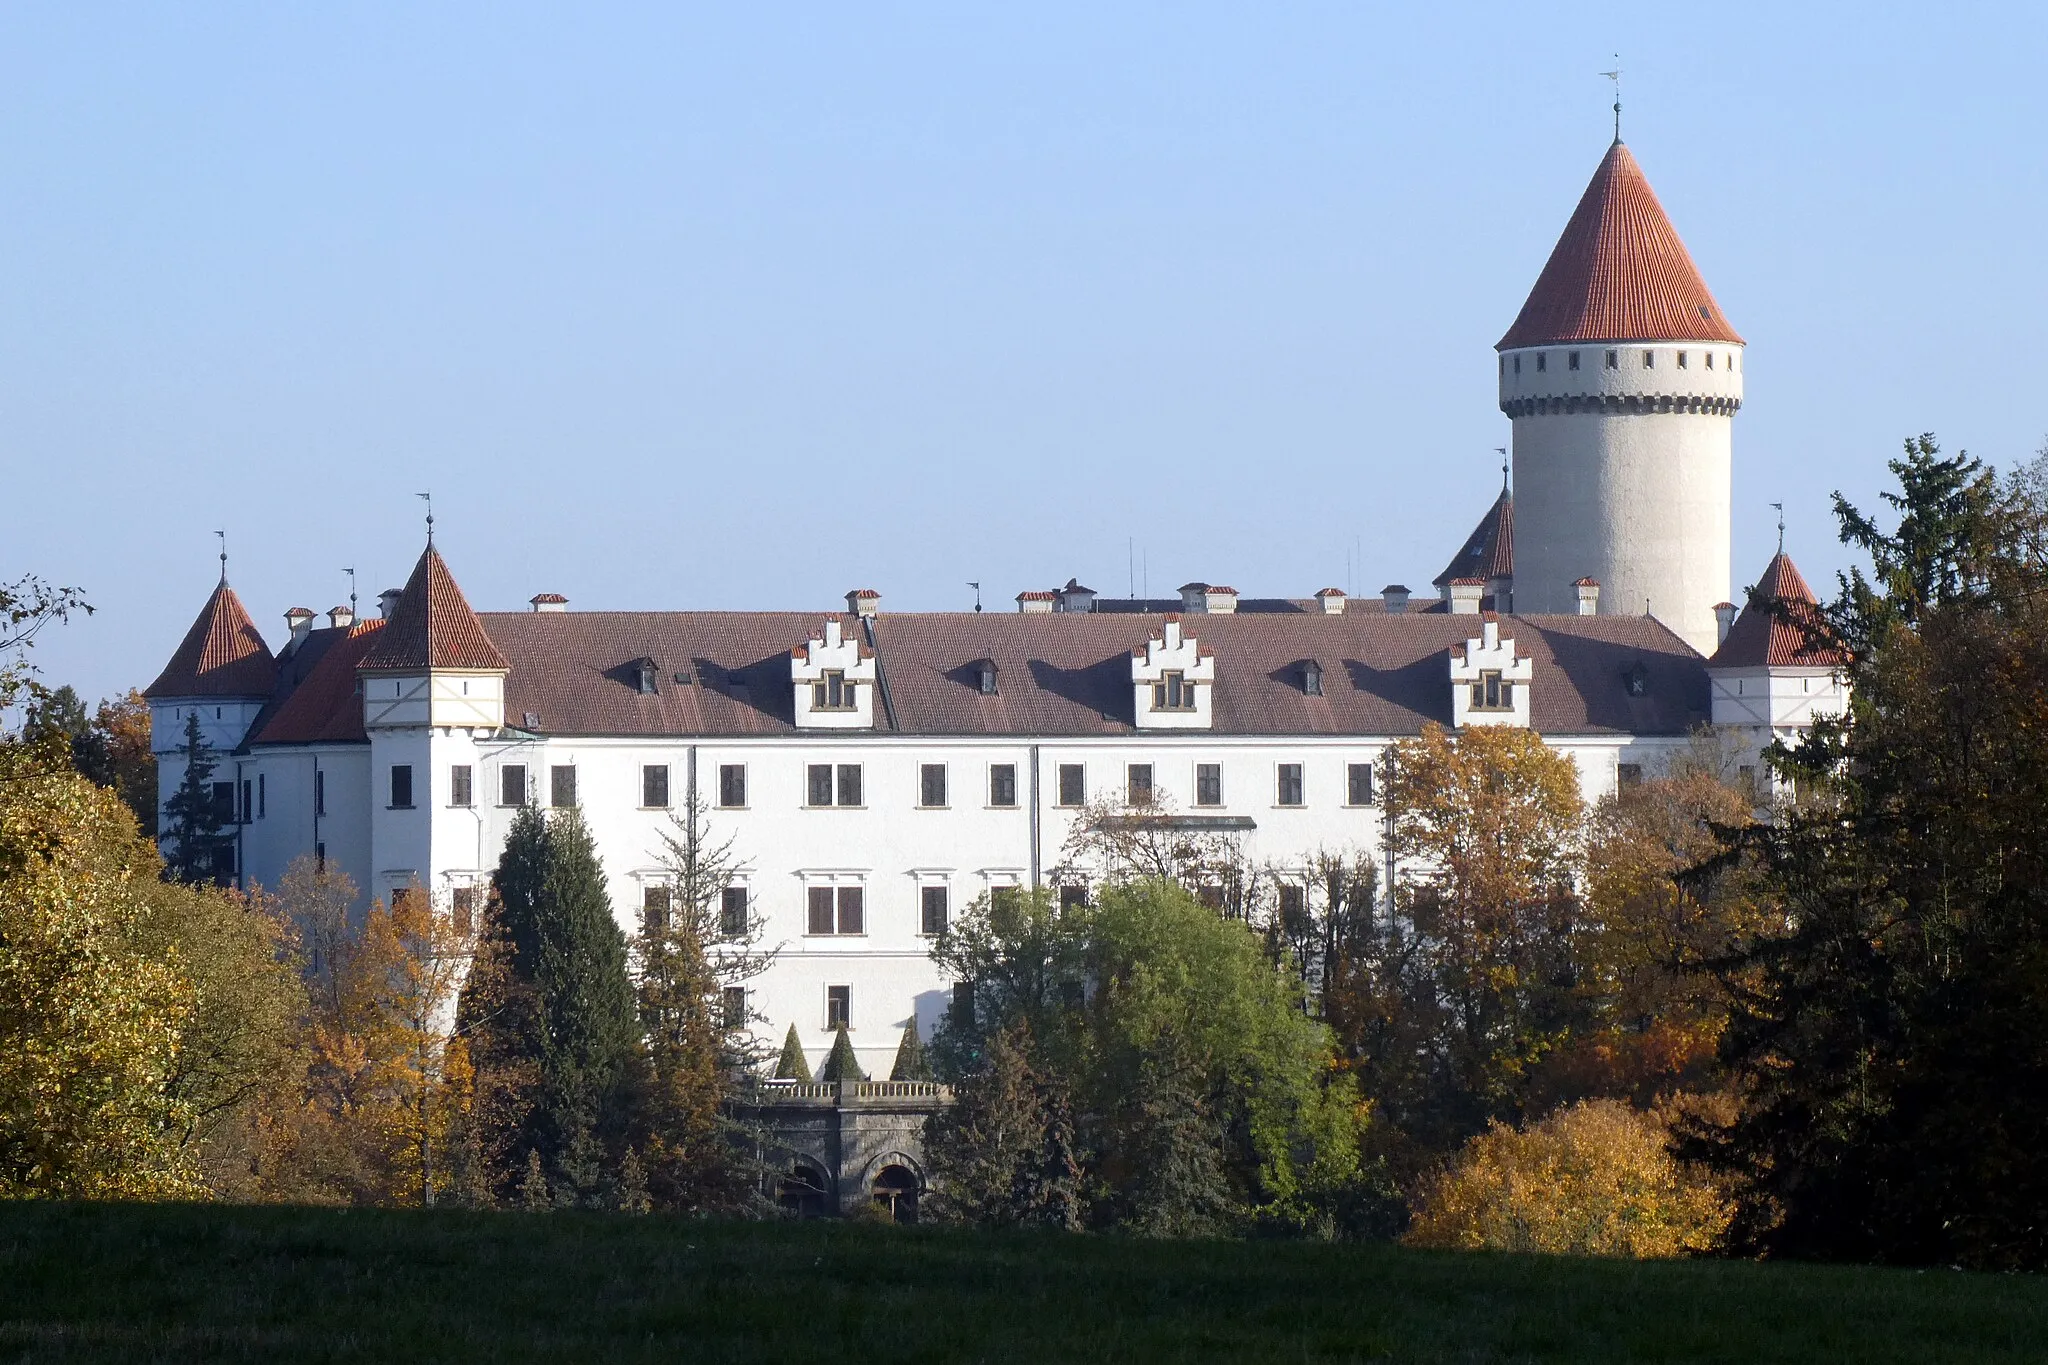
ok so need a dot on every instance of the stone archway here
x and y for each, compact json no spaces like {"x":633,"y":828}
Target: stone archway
{"x":895,"y":1182}
{"x":805,"y":1189}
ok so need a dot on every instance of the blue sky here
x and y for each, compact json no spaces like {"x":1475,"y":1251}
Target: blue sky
{"x":742,"y":307}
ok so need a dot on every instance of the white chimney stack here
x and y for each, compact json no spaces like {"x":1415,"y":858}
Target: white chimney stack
{"x":1724,"y":621}
{"x":1395,"y":598}
{"x":1220,"y":601}
{"x":1075,"y":598}
{"x":387,"y":601}
{"x":299,"y":620}
{"x":863,"y":602}
{"x":548,"y":601}
{"x":1588,"y":590}
{"x":340,"y":618}
{"x":1036,"y":603}
{"x":1194,"y":597}
{"x":1332,"y":601}
{"x":1465,"y":594}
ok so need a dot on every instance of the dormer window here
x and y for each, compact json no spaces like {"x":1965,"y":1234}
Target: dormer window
{"x":1491,"y":692}
{"x":1636,"y":680}
{"x":1312,"y":678}
{"x":1173,"y":692}
{"x":645,"y":670}
{"x":832,"y":692}
{"x":985,"y":677}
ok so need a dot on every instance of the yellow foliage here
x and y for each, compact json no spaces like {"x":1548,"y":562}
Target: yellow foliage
{"x":1595,"y":1179}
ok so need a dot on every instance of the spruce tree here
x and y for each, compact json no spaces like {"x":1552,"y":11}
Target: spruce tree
{"x":194,"y":820}
{"x":841,"y":1064}
{"x":912,"y":1064}
{"x":792,"y":1066}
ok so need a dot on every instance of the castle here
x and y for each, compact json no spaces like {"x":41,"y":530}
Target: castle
{"x":878,"y":771}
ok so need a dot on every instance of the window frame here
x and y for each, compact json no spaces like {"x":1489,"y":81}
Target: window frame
{"x":735,"y":911}
{"x":998,"y":773}
{"x":401,"y":784}
{"x":561,"y":779}
{"x":1493,"y":692}
{"x":1208,"y":784}
{"x":1079,"y":772}
{"x":507,"y":774}
{"x":647,"y":772}
{"x":832,"y":692}
{"x":726,"y":773}
{"x":1173,"y":692}
{"x":931,"y":894}
{"x":841,"y":786}
{"x":1351,"y":775}
{"x":926,"y":773}
{"x":1283,"y":773}
{"x":461,"y":785}
{"x":818,"y":781}
{"x":1132,"y":785}
{"x":839,"y":1008}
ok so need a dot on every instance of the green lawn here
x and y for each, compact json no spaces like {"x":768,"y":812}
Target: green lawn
{"x":198,"y":1282}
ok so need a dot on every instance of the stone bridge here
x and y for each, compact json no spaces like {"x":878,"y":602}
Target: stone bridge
{"x":839,"y":1145}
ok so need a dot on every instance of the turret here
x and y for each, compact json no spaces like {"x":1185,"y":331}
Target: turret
{"x":432,"y":665}
{"x":1622,"y":377}
{"x":1779,"y":670}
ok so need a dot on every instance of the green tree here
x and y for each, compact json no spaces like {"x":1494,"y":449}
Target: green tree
{"x":840,"y":1062}
{"x":792,"y":1065}
{"x":912,"y":1062}
{"x":195,"y":818}
{"x":1002,"y":1154}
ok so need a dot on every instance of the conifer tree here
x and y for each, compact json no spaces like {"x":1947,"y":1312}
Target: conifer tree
{"x":792,"y":1066}
{"x":841,"y":1064}
{"x":912,"y":1063}
{"x":194,"y":820}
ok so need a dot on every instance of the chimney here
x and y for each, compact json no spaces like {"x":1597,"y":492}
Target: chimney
{"x":1332,"y":601}
{"x":863,"y":602}
{"x":1588,"y":590}
{"x":1724,"y":620}
{"x":1395,"y":598}
{"x":548,"y":601}
{"x":1075,"y":598}
{"x":387,"y":601}
{"x":341,"y":618}
{"x":1221,"y":601}
{"x":1194,"y":597}
{"x":1036,"y":603}
{"x":300,"y":622}
{"x":1465,"y":594}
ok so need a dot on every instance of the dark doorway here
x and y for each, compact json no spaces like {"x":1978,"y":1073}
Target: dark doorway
{"x":896,"y":1191}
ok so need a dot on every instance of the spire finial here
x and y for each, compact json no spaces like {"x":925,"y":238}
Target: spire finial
{"x":429,"y":500}
{"x":1615,"y":76}
{"x":1781,"y":526}
{"x":223,"y":555}
{"x":1502,"y":451}
{"x":351,"y":590}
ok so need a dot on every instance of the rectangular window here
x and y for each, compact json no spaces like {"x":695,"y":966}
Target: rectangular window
{"x":1358,"y":784}
{"x":1138,"y":784}
{"x":248,"y":800}
{"x":319,"y":792}
{"x":732,"y":1010}
{"x":820,"y":775}
{"x":512,"y":785}
{"x":849,"y":784}
{"x":732,"y":784}
{"x":1681,"y":360}
{"x":1614,"y":360}
{"x":1002,"y":784}
{"x":732,"y":912}
{"x":1073,"y":898}
{"x":852,"y":911}
{"x":462,"y":904}
{"x":963,"y":1002}
{"x":838,"y":1007}
{"x":654,"y":786}
{"x":1649,"y":360}
{"x":459,"y":792}
{"x":654,"y":906}
{"x":1542,"y":361}
{"x":401,"y":786}
{"x":1293,"y":908}
{"x":1173,"y":692}
{"x":819,"y":905}
{"x":1208,"y":784}
{"x":224,"y":802}
{"x":1491,"y":692}
{"x":1290,"y":784}
{"x":1571,"y":360}
{"x":832,"y":692}
{"x":1073,"y":784}
{"x":1628,"y":775}
{"x":932,"y":902}
{"x":262,"y":796}
{"x":562,"y":786}
{"x":931,"y":784}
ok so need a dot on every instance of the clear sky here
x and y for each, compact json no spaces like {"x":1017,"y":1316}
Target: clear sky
{"x":743,"y":306}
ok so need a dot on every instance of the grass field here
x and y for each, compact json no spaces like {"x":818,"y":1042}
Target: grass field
{"x":197,"y":1282}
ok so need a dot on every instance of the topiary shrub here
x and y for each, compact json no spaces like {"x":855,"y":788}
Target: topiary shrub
{"x":841,"y":1065}
{"x":792,"y":1066}
{"x":912,"y":1063}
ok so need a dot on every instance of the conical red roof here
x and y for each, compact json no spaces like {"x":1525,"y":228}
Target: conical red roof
{"x":222,"y":655}
{"x":1781,"y":626}
{"x":1619,"y":272}
{"x":432,"y":626}
{"x":1489,"y":552}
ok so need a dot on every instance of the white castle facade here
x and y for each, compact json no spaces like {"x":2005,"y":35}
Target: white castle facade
{"x":879,"y":771}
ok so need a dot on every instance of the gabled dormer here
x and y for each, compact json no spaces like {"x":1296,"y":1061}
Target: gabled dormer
{"x":433,"y":665}
{"x":1173,"y":681}
{"x":222,"y":674}
{"x":834,"y":681}
{"x":1489,"y":684}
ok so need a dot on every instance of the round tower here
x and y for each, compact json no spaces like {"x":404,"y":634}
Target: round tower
{"x":1622,"y":379}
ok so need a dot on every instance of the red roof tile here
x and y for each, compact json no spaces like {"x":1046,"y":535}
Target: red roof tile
{"x":326,"y":707}
{"x":1781,"y":627}
{"x":222,"y":655}
{"x":432,"y":626}
{"x":1489,"y":552}
{"x":1619,"y":272}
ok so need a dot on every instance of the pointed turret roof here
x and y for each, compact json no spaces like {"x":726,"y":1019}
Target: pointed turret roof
{"x":432,"y":626}
{"x":1489,"y":552}
{"x":1619,"y":272}
{"x":222,"y":655}
{"x":1781,"y":626}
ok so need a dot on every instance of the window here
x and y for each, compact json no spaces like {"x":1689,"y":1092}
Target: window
{"x":832,"y":692}
{"x":732,"y":912}
{"x":838,"y":1007}
{"x":1681,"y":360}
{"x":401,"y":786}
{"x":654,"y":785}
{"x":1518,"y":364}
{"x":849,"y":784}
{"x":819,"y":904}
{"x":462,"y":903}
{"x":1312,"y":678}
{"x":931,"y":784}
{"x":562,"y":786}
{"x":1138,"y":784}
{"x":1293,"y":909}
{"x":262,"y":796}
{"x":1627,"y":775}
{"x":1290,"y":784}
{"x":932,"y":904}
{"x":732,"y":1006}
{"x":1073,"y":784}
{"x":319,"y":792}
{"x":1542,"y":357}
{"x":1173,"y":692}
{"x":820,"y":784}
{"x":1710,"y":360}
{"x":1614,"y":360}
{"x":1358,"y":784}
{"x":1002,"y":784}
{"x":1005,"y":897}
{"x":963,"y":1002}
{"x":1649,"y":360}
{"x":1208,"y":784}
{"x":1073,"y":898}
{"x":837,"y":910}
{"x":459,"y":787}
{"x":223,"y":800}
{"x":732,"y":784}
{"x":512,"y":785}
{"x":655,"y":901}
{"x":1491,"y":692}
{"x":248,"y":800}
{"x":985,"y":677}
{"x":1571,"y":360}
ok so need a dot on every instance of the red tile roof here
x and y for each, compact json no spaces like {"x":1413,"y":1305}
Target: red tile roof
{"x":1781,"y":627}
{"x":1489,"y":552}
{"x":432,"y":626}
{"x":325,"y":707}
{"x":222,"y":655}
{"x":1619,"y":272}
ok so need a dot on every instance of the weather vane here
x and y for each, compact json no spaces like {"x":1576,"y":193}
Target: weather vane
{"x":1781,"y":526}
{"x":428,"y":498}
{"x":223,"y":555}
{"x":1615,"y":76}
{"x":351,"y":590}
{"x":977,"y":595}
{"x":1502,"y":451}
